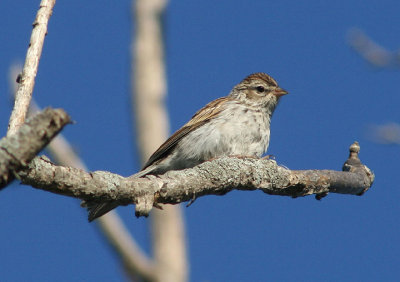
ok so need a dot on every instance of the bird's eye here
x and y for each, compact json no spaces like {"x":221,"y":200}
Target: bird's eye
{"x":260,"y":89}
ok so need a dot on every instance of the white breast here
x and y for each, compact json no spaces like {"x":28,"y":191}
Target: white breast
{"x":240,"y":132}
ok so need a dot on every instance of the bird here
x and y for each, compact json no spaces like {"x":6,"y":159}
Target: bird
{"x":235,"y":125}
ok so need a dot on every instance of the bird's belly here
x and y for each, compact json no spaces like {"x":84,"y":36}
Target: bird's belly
{"x":225,"y":136}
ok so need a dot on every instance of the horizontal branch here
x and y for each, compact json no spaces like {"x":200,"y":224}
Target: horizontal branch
{"x":216,"y":177}
{"x":18,"y":149}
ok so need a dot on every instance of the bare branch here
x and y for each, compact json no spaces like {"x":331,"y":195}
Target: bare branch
{"x":17,"y":150}
{"x":148,"y":77}
{"x":27,"y":81}
{"x":215,"y":177}
{"x":388,"y":134}
{"x":135,"y":262}
{"x":149,"y":91}
{"x":371,"y":51}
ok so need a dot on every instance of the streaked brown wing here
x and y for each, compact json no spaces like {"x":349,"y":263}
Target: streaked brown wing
{"x":201,"y":117}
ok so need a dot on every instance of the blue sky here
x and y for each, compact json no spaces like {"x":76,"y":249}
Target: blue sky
{"x":210,"y":46}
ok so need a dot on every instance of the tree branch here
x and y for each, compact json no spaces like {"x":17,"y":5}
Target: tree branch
{"x":27,"y":80}
{"x":215,"y":177}
{"x":372,"y":52}
{"x":18,"y":149}
{"x":148,"y":101}
{"x":134,"y":260}
{"x":387,"y":134}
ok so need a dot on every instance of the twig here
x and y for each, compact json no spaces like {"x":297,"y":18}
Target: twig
{"x":27,"y":81}
{"x":371,"y":51}
{"x":215,"y":177}
{"x":17,"y":150}
{"x":387,"y":134}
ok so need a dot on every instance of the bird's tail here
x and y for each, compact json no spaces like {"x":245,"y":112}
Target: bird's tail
{"x":96,"y":210}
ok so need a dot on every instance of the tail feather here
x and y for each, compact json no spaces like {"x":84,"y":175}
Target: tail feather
{"x":97,"y":210}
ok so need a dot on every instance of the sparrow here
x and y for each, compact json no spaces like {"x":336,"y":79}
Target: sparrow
{"x":234,"y":125}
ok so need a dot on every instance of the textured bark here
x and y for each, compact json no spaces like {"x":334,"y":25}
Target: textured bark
{"x":215,"y":177}
{"x":18,"y":149}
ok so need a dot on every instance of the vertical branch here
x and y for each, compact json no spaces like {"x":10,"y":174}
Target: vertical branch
{"x":27,"y":82}
{"x":169,"y":244}
{"x":149,"y":78}
{"x":149,"y":85}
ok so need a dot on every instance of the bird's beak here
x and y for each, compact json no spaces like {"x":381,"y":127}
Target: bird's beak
{"x":280,"y":92}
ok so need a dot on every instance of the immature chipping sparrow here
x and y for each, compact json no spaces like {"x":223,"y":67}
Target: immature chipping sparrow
{"x":238,"y":124}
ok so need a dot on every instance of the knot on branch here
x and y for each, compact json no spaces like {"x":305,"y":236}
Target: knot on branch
{"x":144,"y":205}
{"x":353,"y":164}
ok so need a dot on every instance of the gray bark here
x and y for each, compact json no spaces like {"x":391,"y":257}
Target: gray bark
{"x":18,"y":149}
{"x":216,"y":177}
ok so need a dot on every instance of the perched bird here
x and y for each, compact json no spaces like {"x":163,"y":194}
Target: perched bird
{"x":234,"y":125}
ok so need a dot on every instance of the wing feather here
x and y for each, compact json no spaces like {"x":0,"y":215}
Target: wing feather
{"x":201,"y":117}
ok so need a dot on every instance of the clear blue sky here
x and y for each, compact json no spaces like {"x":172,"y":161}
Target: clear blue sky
{"x":210,"y":46}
